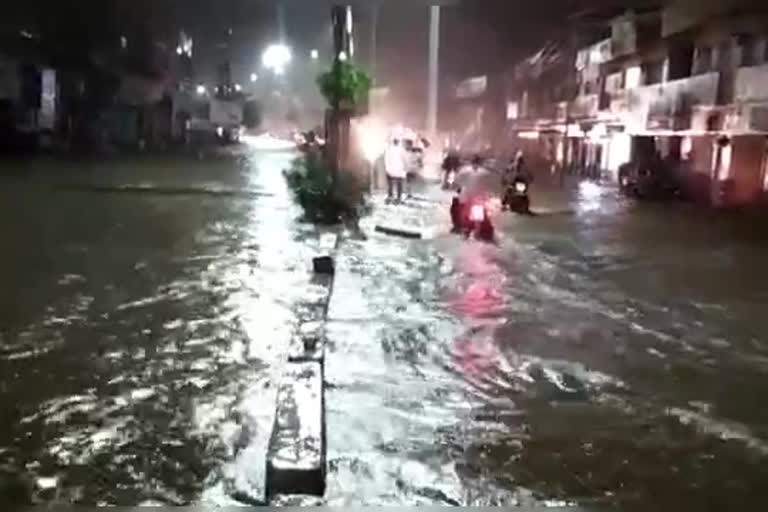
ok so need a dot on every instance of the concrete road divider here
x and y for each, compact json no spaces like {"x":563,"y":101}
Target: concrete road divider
{"x":296,"y":457}
{"x":405,"y":233}
{"x":308,"y":344}
{"x":296,"y":500}
{"x":323,"y":265}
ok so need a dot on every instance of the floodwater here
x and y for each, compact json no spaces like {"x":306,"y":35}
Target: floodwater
{"x":145,"y":304}
{"x":603,"y":353}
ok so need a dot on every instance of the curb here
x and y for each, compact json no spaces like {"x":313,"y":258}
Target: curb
{"x":296,"y":454}
{"x":415,"y":235}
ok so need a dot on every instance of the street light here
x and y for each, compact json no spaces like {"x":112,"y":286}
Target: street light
{"x":254,"y":77}
{"x":200,"y":89}
{"x":276,"y":57}
{"x":314,"y":54}
{"x":342,"y":56}
{"x":238,"y":87}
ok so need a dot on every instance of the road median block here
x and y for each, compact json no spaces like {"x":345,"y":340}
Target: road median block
{"x":308,"y":343}
{"x":323,"y":265}
{"x":296,"y":455}
{"x":404,"y":233}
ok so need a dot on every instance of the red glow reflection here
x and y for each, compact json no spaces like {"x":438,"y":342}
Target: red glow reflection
{"x":477,"y":213}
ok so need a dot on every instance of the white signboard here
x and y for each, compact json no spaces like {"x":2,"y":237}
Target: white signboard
{"x":47,"y":117}
{"x":511,"y":110}
{"x":472,"y":87}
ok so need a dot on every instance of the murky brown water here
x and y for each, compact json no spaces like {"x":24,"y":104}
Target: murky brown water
{"x":603,"y":353}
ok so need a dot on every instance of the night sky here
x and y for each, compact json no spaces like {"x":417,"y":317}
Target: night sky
{"x":477,"y":36}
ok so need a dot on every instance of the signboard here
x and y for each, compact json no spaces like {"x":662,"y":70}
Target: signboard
{"x":512,"y":110}
{"x":472,"y":87}
{"x":47,"y":117}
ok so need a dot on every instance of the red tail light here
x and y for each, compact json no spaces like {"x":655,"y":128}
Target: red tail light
{"x":477,"y":213}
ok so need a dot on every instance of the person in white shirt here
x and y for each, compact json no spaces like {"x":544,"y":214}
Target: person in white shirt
{"x":476,"y":182}
{"x":395,"y":167}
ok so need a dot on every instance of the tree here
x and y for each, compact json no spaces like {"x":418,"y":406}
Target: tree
{"x":345,"y":85}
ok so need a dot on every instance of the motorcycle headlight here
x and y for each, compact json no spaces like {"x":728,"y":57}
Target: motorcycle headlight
{"x":521,"y":187}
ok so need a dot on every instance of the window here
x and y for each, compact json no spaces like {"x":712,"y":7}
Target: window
{"x":704,"y":59}
{"x":724,"y":52}
{"x":614,"y":82}
{"x":765,"y":49}
{"x":747,"y":43}
{"x":634,"y":76}
{"x":653,"y":72}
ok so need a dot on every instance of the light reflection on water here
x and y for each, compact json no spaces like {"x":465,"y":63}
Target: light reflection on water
{"x":543,"y":383}
{"x":591,"y":357}
{"x":158,"y":347}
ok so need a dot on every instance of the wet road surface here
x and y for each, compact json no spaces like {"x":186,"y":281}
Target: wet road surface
{"x":145,"y":304}
{"x":602,"y":353}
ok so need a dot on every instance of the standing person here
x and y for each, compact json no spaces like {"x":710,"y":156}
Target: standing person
{"x":394,"y":166}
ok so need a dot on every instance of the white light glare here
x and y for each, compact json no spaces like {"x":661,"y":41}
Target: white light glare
{"x":201,"y":89}
{"x":276,"y":57}
{"x":314,"y":54}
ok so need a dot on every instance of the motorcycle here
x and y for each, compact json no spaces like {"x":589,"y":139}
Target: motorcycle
{"x":516,"y":197}
{"x":472,"y":219}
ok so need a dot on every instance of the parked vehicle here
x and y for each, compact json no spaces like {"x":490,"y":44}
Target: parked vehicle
{"x":656,"y":181}
{"x":227,"y":117}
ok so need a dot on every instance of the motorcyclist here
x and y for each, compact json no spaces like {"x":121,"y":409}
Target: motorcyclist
{"x":451,"y":163}
{"x":515,"y":174}
{"x":475,"y":183}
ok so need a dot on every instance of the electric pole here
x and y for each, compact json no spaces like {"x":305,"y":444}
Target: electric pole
{"x":434,"y":53}
{"x":280,"y":23}
{"x":374,"y":28}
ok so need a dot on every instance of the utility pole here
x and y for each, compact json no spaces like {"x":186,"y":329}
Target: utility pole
{"x":337,"y":120}
{"x":374,"y":28}
{"x":280,"y":23}
{"x":434,"y":52}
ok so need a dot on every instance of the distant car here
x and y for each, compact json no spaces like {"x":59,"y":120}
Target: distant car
{"x":644,"y":181}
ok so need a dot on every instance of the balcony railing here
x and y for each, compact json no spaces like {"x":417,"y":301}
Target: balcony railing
{"x":585,"y":106}
{"x":751,"y":84}
{"x":666,"y":106}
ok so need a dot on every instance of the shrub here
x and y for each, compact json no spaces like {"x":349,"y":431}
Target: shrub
{"x":345,"y":83}
{"x":312,"y":185}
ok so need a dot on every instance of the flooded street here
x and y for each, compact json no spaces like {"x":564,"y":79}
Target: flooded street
{"x":601,"y":353}
{"x":143,"y":308}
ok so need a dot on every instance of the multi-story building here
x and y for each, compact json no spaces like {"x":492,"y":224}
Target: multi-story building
{"x":688,"y":82}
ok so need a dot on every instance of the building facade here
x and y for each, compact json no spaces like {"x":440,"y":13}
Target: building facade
{"x":687,"y":84}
